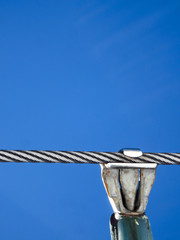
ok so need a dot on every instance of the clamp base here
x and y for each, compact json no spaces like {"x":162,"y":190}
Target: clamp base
{"x":128,"y":185}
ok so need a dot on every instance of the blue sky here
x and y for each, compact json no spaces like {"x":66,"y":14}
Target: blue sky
{"x":86,"y":75}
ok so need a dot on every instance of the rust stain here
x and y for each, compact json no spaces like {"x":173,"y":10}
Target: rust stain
{"x":106,"y":185}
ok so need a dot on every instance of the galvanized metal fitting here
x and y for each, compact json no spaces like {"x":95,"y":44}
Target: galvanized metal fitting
{"x":128,"y":185}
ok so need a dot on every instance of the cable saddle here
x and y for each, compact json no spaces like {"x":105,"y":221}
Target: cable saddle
{"x":128,"y":185}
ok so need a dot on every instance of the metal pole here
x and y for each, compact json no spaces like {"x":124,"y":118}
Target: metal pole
{"x":130,"y":228}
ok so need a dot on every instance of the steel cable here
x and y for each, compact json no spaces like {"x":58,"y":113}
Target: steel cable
{"x":35,"y":156}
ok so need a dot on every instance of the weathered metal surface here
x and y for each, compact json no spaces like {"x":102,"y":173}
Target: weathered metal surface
{"x":147,"y":177}
{"x":110,"y":179}
{"x":122,"y":188}
{"x":129,"y":179}
{"x":130,"y":228}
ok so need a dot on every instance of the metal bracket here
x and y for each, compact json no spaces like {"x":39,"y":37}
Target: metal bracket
{"x":128,"y":185}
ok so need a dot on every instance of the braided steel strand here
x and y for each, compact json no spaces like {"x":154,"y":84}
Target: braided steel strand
{"x":35,"y":156}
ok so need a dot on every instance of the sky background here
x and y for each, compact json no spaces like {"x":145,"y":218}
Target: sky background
{"x":86,"y":75}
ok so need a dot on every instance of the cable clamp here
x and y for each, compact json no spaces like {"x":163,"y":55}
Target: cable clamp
{"x":128,"y":185}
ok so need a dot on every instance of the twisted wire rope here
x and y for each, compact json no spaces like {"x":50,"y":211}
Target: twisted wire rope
{"x":35,"y":156}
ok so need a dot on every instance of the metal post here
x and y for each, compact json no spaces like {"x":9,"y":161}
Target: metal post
{"x":130,"y":228}
{"x":128,"y":187}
